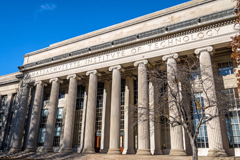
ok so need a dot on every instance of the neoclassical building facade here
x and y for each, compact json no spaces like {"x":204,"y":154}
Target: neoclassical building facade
{"x":73,"y":96}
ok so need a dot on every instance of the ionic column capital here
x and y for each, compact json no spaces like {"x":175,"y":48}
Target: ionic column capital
{"x":55,"y":80}
{"x":74,"y":76}
{"x":118,"y":67}
{"x":40,"y":83}
{"x":174,"y":55}
{"x":93,"y":72}
{"x":140,"y":62}
{"x":199,"y":50}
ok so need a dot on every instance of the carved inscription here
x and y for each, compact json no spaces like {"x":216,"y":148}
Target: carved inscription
{"x":93,"y":59}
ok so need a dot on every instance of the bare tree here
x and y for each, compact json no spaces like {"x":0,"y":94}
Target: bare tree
{"x":185,"y":97}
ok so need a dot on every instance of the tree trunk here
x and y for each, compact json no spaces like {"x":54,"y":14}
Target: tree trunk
{"x":194,"y":150}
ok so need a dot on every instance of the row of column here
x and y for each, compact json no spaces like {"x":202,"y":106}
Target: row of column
{"x":112,"y":113}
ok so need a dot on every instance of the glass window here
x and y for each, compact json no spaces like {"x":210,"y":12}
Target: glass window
{"x":80,"y":97}
{"x":165,"y":133}
{"x":232,"y":117}
{"x":62,"y":94}
{"x":100,"y":95}
{"x":225,"y":68}
{"x":78,"y":117}
{"x":123,"y":81}
{"x":135,"y":92}
{"x":98,"y":124}
{"x":42,"y":130}
{"x":202,"y":138}
{"x":58,"y":127}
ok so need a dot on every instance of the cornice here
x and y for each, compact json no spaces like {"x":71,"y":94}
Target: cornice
{"x":178,"y":27}
{"x":141,"y":19}
{"x":10,"y":81}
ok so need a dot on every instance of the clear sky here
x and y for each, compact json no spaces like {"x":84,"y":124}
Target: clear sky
{"x":29,"y":25}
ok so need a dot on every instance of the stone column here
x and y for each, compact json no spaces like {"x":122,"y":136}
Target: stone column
{"x":114,"y":145}
{"x":143,"y":124}
{"x":105,"y":133}
{"x":6,"y":119}
{"x":176,"y":133}
{"x":35,"y":117}
{"x":84,"y":118}
{"x":52,"y":111}
{"x":209,"y":96}
{"x":155,"y":127}
{"x":17,"y":129}
{"x":128,"y":116}
{"x":91,"y":113}
{"x":70,"y":114}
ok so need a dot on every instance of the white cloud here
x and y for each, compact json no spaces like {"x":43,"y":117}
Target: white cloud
{"x":44,"y":7}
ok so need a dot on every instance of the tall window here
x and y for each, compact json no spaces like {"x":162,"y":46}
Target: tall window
{"x":135,"y":103}
{"x":42,"y":128}
{"x":232,"y":118}
{"x":78,"y":117}
{"x":98,"y":125}
{"x":165,"y":132}
{"x":135,"y":91}
{"x":58,"y":127}
{"x":225,"y":68}
{"x":202,"y":138}
{"x":122,"y":106}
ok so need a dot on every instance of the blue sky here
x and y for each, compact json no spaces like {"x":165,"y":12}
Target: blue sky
{"x":29,"y":25}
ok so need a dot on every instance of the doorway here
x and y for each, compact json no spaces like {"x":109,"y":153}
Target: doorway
{"x":97,"y":144}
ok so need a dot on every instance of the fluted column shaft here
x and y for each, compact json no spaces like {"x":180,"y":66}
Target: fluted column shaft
{"x":128,"y":116}
{"x":35,"y":118}
{"x":176,"y":132}
{"x":91,"y":114}
{"x":143,"y":123}
{"x":6,"y":119}
{"x":209,"y":96}
{"x":155,"y":133}
{"x":114,"y":146}
{"x":17,"y":129}
{"x":106,"y":117}
{"x":52,"y":111}
{"x":70,"y":114}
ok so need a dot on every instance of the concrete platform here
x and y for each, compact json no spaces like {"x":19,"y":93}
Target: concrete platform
{"x":75,"y":156}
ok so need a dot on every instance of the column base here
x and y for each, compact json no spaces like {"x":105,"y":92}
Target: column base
{"x":131,"y":151}
{"x":66,"y":150}
{"x":158,"y":152}
{"x":30,"y":150}
{"x":114,"y":151}
{"x":216,"y":153}
{"x":14,"y":150}
{"x":177,"y":152}
{"x":103,"y":151}
{"x":89,"y":151}
{"x":143,"y":152}
{"x":47,"y":150}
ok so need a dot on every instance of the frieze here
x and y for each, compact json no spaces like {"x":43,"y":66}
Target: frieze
{"x":133,"y":38}
{"x":131,"y":50}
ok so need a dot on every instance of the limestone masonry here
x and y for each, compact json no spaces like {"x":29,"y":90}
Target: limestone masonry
{"x":73,"y":96}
